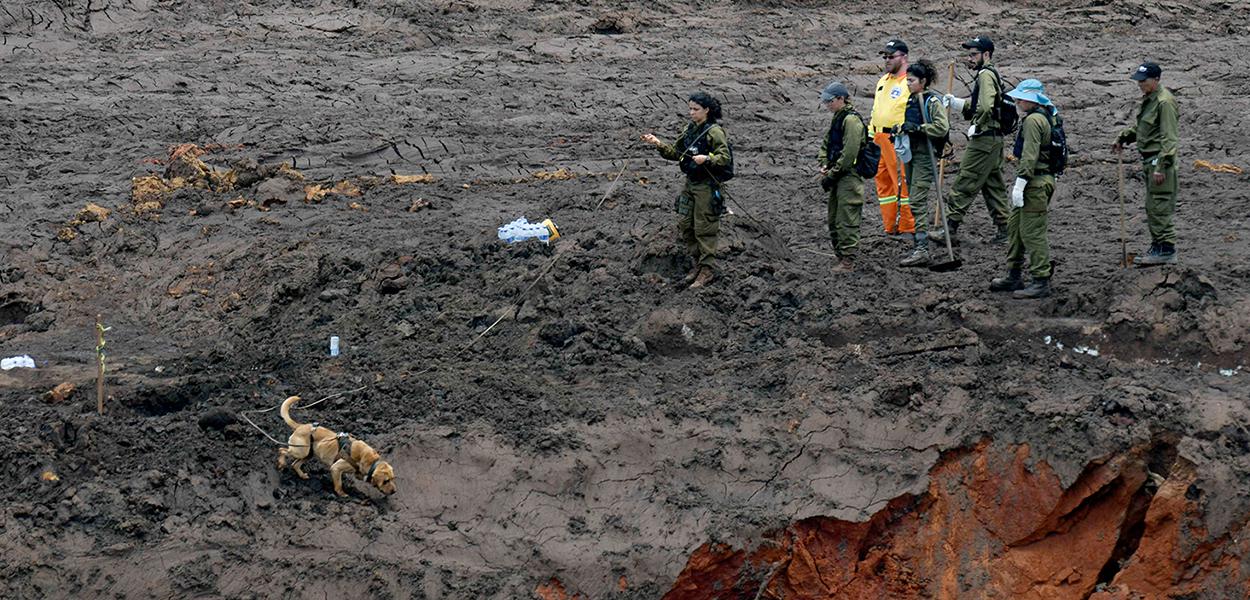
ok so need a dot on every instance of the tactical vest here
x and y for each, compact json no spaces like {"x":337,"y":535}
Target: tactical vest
{"x":694,"y":142}
{"x":914,"y":115}
{"x":833,"y":147}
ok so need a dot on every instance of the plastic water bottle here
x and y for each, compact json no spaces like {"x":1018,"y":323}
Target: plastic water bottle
{"x":521,"y":230}
{"x":334,"y":345}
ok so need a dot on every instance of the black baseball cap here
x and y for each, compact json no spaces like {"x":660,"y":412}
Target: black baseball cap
{"x":980,"y":42}
{"x":1147,"y":70}
{"x":893,"y":46}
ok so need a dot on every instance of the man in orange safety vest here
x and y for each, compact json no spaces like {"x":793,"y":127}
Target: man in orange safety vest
{"x":889,"y":108}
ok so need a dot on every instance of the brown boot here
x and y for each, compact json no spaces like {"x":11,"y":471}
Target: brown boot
{"x":705,"y":276}
{"x":694,"y":272}
{"x":845,"y":265}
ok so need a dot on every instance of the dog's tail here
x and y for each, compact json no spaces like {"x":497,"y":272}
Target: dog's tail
{"x":286,"y":411}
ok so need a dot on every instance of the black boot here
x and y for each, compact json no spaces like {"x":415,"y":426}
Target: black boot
{"x":1012,"y":282}
{"x":1038,"y":288}
{"x":1000,"y":236}
{"x":1163,"y":253}
{"x":939,"y":235}
{"x":920,"y":253}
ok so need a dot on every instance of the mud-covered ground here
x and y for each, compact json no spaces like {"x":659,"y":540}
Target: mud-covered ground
{"x":611,"y":423}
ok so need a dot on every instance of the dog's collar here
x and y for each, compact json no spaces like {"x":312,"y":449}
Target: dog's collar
{"x":373,"y":467}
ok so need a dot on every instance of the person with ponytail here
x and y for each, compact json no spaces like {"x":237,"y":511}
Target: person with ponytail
{"x":926,"y":126}
{"x":702,"y":152}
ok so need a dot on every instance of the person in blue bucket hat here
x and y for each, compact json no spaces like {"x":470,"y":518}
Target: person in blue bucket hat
{"x":1030,"y":198}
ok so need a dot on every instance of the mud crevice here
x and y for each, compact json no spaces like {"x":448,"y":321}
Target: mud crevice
{"x":1159,"y":461}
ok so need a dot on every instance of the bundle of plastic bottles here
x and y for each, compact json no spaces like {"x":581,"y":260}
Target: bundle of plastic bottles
{"x":521,"y":230}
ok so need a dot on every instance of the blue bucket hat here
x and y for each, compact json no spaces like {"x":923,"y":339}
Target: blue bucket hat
{"x":1030,"y":90}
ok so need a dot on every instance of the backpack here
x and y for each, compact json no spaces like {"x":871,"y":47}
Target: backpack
{"x":1054,"y":155}
{"x":1004,"y":110}
{"x":868,"y":159}
{"x":1057,"y":157}
{"x":869,"y":155}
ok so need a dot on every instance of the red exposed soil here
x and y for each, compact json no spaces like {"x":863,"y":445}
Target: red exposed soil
{"x":230,"y":184}
{"x":995,"y":516}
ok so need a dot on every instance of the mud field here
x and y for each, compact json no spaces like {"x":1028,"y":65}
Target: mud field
{"x":785,"y":433}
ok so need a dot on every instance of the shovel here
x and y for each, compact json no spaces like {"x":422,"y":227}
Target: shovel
{"x":1126,"y":260}
{"x":951,"y":262}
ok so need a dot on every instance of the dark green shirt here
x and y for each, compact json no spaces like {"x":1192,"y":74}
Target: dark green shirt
{"x":1157,"y":128}
{"x":1036,"y":132}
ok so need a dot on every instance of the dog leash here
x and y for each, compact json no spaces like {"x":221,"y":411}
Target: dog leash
{"x":244,"y":414}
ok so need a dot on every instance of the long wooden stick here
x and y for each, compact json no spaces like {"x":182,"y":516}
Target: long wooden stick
{"x":950,"y":89}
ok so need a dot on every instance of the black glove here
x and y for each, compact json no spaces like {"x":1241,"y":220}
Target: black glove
{"x":910,"y":127}
{"x":828,"y":181}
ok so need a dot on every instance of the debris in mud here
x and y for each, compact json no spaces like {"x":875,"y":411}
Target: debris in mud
{"x":418,"y":204}
{"x":49,"y":476}
{"x":17,"y":362}
{"x":60,"y":393}
{"x":561,"y":174}
{"x":406,"y":179}
{"x":149,"y":193}
{"x":521,"y":230}
{"x":91,"y":213}
{"x":1218,"y":168}
{"x":345,"y":188}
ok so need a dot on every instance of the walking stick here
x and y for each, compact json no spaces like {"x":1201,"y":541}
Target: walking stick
{"x":950,"y":89}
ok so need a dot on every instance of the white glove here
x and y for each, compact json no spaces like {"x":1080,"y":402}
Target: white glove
{"x":1017,"y":193}
{"x":972,"y":130}
{"x":952,"y":101}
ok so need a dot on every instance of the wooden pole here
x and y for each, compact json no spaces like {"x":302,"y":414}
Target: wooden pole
{"x":950,"y":89}
{"x":99,"y":362}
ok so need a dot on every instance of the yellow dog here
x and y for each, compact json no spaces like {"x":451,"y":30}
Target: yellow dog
{"x":340,"y":452}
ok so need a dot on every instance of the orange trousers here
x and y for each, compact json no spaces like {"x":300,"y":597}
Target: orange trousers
{"x":895,"y":208}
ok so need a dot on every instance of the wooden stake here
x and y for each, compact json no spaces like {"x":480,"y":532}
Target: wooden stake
{"x":99,"y":362}
{"x":950,"y":89}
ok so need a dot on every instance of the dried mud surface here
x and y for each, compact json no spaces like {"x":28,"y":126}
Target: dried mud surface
{"x":614,"y":436}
